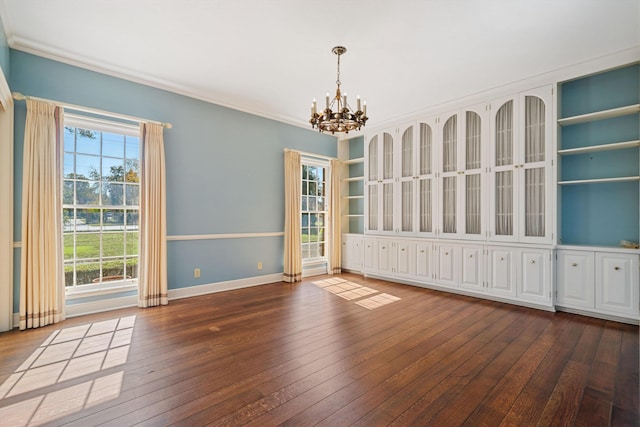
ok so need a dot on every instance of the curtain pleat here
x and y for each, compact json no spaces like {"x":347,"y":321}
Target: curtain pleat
{"x":152,"y":281}
{"x":41,"y":269}
{"x":335,"y":254}
{"x":292,"y":197}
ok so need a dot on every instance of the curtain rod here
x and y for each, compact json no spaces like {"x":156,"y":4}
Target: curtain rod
{"x":20,"y":97}
{"x":319,"y":156}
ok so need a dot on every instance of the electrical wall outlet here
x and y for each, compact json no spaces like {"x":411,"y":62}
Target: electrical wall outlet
{"x":259,"y":265}
{"x":196,"y":272}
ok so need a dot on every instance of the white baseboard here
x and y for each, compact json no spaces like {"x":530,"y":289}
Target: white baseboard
{"x":229,"y":285}
{"x":82,"y":309}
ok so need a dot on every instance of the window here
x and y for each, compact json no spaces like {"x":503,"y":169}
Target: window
{"x":314,"y":210}
{"x":101,"y":173}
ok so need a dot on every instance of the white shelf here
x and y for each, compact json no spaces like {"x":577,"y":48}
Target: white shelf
{"x":354,"y":179}
{"x":354,"y":197}
{"x":598,"y":180}
{"x":603,"y":147}
{"x":354,"y":161}
{"x":599,"y":115}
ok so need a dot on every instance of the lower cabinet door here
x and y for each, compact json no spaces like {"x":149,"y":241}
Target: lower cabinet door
{"x":472,"y":268}
{"x":617,"y":283}
{"x":502,"y":271}
{"x":384,"y":257}
{"x":534,"y":283}
{"x":405,"y":258}
{"x":370,"y":261}
{"x":574,"y":279}
{"x":424,"y":256}
{"x":447,"y":265}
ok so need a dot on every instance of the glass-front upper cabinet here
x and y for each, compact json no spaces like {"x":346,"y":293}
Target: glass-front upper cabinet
{"x":379,"y":194}
{"x":463,"y":152}
{"x":521,"y":166}
{"x":426,"y":188}
{"x":406,"y":180}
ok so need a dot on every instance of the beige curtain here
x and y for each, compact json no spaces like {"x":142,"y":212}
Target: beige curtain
{"x":41,"y":269}
{"x":152,"y":278}
{"x":335,"y":242}
{"x":292,"y":197}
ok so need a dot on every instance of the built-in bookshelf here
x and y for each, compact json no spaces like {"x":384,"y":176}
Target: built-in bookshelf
{"x":599,"y":158}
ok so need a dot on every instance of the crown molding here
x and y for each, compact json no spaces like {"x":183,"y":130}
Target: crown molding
{"x":91,"y":64}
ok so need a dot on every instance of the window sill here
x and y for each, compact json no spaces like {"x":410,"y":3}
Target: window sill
{"x":96,"y":290}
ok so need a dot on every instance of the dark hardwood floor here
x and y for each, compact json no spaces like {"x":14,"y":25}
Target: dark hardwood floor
{"x":332,"y":350}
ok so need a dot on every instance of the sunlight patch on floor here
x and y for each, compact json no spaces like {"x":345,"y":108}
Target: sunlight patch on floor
{"x":354,"y":291}
{"x":67,"y":354}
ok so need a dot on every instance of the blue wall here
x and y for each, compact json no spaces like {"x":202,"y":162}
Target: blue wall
{"x":224,"y":167}
{"x":4,"y":52}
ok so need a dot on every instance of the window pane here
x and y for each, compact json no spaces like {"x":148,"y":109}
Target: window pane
{"x":112,"y":194}
{"x":132,"y":243}
{"x":86,"y":273}
{"x":68,"y":165}
{"x":132,"y":220}
{"x":87,"y":167}
{"x":68,"y":273}
{"x":305,"y":188}
{"x":112,"y":170}
{"x":69,"y":139}
{"x":305,"y":220}
{"x":304,"y":203}
{"x":320,"y":221}
{"x":304,"y":172}
{"x":68,"y":240}
{"x":87,"y":245}
{"x":320,"y":204}
{"x":67,"y":192}
{"x":312,"y":203}
{"x":68,"y":220}
{"x":87,"y":192}
{"x":132,"y":194}
{"x":113,"y":219}
{"x":132,"y":267}
{"x":112,"y":145}
{"x":87,"y":141}
{"x":87,"y":219}
{"x":132,"y":171}
{"x":132,"y":147}
{"x":113,"y":269}
{"x":112,"y":244}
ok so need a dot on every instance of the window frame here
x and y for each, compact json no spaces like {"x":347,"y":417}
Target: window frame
{"x":326,"y":165}
{"x":75,"y":291}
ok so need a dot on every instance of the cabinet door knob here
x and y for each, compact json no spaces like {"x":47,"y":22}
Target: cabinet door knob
{"x":384,"y":247}
{"x":616,"y":268}
{"x":402,"y":250}
{"x":446,"y":253}
{"x":500,"y":259}
{"x":574,"y":264}
{"x":532,"y":262}
{"x":422,"y":251}
{"x":471,"y":256}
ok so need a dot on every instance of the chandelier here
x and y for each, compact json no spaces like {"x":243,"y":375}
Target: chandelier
{"x":343,"y":119}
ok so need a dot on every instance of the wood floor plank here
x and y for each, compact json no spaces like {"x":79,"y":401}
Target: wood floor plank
{"x":298,"y":354}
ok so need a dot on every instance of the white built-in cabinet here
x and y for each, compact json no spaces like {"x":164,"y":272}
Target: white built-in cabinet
{"x":520,"y":167}
{"x":598,"y":281}
{"x":503,"y":272}
{"x":461,"y":199}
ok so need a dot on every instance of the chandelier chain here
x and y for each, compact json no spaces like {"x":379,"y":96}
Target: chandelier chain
{"x":338,"y":81}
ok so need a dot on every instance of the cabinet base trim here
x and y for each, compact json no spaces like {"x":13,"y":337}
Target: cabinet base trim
{"x":464,"y":292}
{"x":588,"y":313}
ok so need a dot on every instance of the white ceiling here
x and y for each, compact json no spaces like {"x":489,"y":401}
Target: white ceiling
{"x":271,"y":57}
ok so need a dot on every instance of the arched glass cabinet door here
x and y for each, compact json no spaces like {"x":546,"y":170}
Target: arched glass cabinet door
{"x":426,"y":179}
{"x":503,"y":166}
{"x":372,"y":184}
{"x":407,"y":181}
{"x":449,"y":174}
{"x":387,"y":182}
{"x":534,"y":166}
{"x":473,"y":173}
